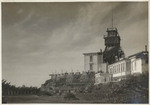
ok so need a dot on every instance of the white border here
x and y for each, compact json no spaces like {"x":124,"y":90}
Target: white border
{"x":65,"y":1}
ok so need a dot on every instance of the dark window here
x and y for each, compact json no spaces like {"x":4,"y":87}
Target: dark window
{"x":91,"y":58}
{"x":91,"y":66}
{"x":146,"y":61}
{"x":104,"y":79}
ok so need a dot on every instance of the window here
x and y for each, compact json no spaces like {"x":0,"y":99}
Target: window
{"x":131,"y":66}
{"x":91,"y":58}
{"x":122,"y":67}
{"x":135,"y":65}
{"x":114,"y":69}
{"x":91,"y":66}
{"x":119,"y":68}
{"x":104,"y":79}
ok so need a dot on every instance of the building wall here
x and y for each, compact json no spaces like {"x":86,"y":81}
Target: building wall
{"x":94,"y":63}
{"x":103,"y":67}
{"x":138,"y":66}
{"x":120,"y":69}
{"x":144,"y":65}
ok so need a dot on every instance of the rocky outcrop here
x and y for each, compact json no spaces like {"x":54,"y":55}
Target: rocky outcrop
{"x":68,"y":82}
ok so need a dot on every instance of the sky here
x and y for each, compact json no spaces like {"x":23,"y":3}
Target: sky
{"x":43,"y":38}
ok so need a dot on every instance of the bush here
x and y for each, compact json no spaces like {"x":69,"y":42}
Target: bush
{"x":44,"y":93}
{"x":70,"y":96}
{"x":134,"y":89}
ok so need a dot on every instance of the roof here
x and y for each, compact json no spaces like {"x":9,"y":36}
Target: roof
{"x":112,"y":29}
{"x":92,"y":53}
{"x":139,"y":55}
{"x":124,"y":59}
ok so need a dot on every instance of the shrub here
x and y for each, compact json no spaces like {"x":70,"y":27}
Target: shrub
{"x":44,"y":93}
{"x":70,"y":96}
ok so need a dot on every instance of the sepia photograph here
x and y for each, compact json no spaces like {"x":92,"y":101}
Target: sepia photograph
{"x":75,"y":52}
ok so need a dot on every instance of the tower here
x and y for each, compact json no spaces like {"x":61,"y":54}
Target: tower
{"x":113,"y":51}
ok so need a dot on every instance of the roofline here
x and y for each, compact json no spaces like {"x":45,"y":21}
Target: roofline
{"x":119,"y":61}
{"x":136,"y":54}
{"x":92,"y":53}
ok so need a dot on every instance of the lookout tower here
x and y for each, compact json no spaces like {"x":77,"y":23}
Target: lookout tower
{"x":113,"y":51}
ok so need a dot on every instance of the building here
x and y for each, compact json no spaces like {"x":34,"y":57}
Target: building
{"x":120,"y":69}
{"x":132,"y":65}
{"x":111,"y":64}
{"x":93,"y":61}
{"x":139,"y":62}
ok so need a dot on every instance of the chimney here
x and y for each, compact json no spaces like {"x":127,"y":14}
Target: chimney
{"x":145,"y":47}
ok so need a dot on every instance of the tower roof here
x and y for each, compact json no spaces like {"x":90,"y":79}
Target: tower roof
{"x":111,"y":29}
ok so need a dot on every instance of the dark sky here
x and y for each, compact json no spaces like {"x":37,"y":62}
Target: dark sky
{"x":43,"y":38}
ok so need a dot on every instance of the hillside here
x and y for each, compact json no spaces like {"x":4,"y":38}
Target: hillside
{"x":132,"y":90}
{"x":63,"y":83}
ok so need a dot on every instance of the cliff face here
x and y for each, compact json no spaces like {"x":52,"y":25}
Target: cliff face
{"x":67,"y":82}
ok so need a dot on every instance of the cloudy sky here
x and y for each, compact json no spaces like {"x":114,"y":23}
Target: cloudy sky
{"x":43,"y":38}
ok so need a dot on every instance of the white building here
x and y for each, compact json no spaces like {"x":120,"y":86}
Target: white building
{"x":134,"y":64}
{"x":93,"y":61}
{"x":120,"y":69}
{"x":139,"y":62}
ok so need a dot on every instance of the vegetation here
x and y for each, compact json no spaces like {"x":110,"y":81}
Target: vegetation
{"x":134,"y":89}
{"x":8,"y":89}
{"x":44,"y":93}
{"x":70,"y":96}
